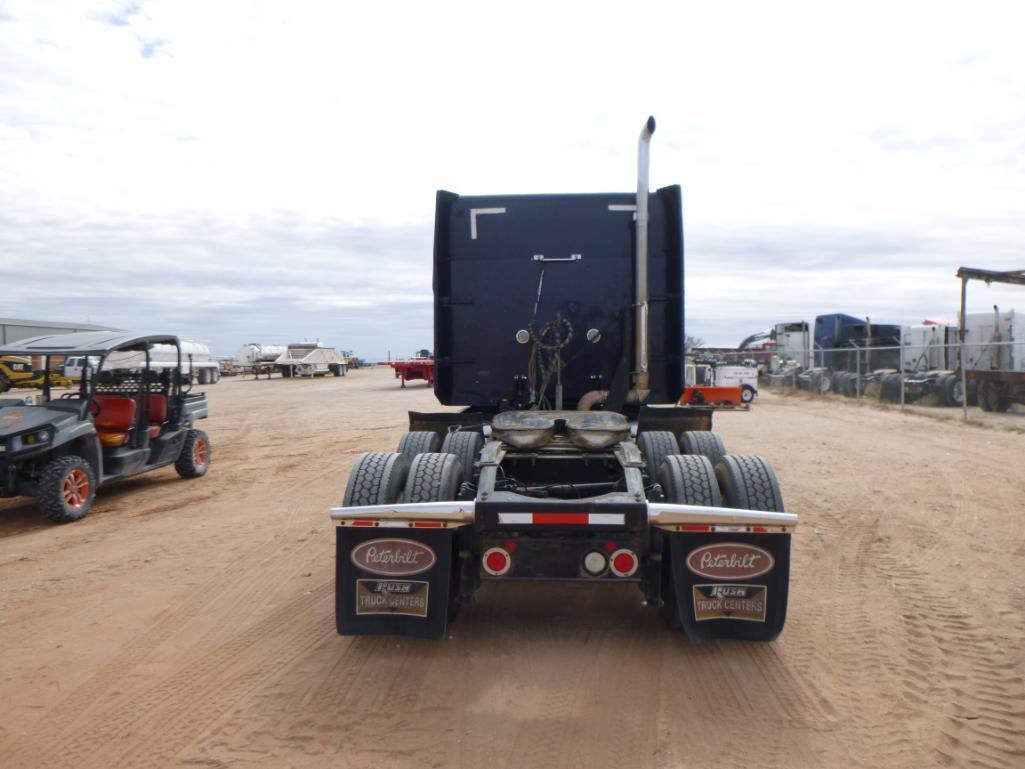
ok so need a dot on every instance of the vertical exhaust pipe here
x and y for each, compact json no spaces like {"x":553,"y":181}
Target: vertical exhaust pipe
{"x":641,"y":381}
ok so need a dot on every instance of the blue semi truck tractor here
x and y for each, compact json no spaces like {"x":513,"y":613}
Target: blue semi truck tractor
{"x":559,"y":328}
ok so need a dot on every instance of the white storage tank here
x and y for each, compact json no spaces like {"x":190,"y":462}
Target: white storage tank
{"x":253,"y":353}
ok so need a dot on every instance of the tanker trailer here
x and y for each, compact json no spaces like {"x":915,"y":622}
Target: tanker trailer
{"x":253,"y":358}
{"x":558,"y":323}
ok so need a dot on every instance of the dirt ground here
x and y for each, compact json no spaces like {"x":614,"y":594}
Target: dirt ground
{"x":190,"y":623}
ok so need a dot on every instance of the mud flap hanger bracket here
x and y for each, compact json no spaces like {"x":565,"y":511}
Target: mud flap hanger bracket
{"x":659,"y":514}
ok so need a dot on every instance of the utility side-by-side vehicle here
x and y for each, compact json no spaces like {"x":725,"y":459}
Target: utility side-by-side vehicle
{"x":122,"y":418}
{"x":559,"y":326}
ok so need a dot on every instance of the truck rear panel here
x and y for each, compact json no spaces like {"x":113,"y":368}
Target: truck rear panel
{"x":487,"y":281}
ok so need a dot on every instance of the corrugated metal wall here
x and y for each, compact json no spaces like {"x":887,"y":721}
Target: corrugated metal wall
{"x":13,"y":330}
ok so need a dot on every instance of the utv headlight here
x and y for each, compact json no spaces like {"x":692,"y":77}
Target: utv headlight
{"x":37,"y":438}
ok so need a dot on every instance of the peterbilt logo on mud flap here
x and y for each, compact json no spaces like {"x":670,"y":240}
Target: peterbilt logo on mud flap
{"x":393,"y":557}
{"x":730,"y":560}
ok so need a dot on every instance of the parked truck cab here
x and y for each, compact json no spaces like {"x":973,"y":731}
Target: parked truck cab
{"x":559,"y":330}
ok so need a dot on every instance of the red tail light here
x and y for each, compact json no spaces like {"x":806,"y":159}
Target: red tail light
{"x":624,"y":563}
{"x":496,"y":561}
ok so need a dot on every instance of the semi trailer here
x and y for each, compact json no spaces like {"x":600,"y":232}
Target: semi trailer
{"x":995,"y":358}
{"x":559,"y":330}
{"x":305,"y":359}
{"x":255,"y":358}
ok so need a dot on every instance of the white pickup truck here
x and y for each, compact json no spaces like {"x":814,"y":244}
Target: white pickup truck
{"x":73,"y":366}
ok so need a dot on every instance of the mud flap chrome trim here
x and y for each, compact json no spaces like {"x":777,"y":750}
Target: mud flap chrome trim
{"x":461,"y":512}
{"x":664,"y":514}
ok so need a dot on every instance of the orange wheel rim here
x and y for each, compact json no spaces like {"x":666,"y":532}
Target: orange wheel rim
{"x":199,"y":452}
{"x":76,"y":488}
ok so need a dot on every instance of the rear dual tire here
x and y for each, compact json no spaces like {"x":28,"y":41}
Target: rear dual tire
{"x":418,"y":442}
{"x":704,"y":443}
{"x":991,"y":397}
{"x":388,"y":478}
{"x":433,"y":478}
{"x":465,"y":445}
{"x":950,"y":390}
{"x":655,"y":446}
{"x":739,"y":482}
{"x":377,"y":478}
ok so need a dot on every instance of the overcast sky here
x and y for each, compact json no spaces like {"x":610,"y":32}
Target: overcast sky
{"x":265,"y":171}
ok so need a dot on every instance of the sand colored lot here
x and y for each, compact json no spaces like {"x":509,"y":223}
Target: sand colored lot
{"x":190,"y":623}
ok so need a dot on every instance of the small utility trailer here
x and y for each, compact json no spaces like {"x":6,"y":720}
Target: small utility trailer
{"x":559,"y":329}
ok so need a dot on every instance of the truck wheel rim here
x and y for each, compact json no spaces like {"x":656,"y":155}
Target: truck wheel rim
{"x":199,"y":452}
{"x":76,"y":488}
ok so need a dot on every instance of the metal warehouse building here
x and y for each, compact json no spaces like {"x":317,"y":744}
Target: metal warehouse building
{"x":13,"y":330}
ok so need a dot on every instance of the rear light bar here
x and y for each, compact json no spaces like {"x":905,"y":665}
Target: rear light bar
{"x":673,"y":517}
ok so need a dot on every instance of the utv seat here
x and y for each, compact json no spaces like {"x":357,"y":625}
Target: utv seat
{"x":157,"y":413}
{"x":114,"y":417}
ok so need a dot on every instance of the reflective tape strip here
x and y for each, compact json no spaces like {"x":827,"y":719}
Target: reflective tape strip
{"x":562,"y":519}
{"x":515,"y":517}
{"x":475,"y":212}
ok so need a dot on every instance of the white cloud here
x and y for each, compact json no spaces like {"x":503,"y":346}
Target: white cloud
{"x":142,"y":139}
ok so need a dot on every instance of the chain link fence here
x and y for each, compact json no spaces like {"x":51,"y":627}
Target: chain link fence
{"x":924,"y":372}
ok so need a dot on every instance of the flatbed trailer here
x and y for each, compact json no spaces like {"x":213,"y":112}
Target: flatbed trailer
{"x":572,"y":459}
{"x":414,"y":369}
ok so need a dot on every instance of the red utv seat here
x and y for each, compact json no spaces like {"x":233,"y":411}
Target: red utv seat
{"x":157,"y":413}
{"x":157,"y":408}
{"x":114,"y":417}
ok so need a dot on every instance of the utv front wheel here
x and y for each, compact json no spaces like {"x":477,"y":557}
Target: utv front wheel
{"x":195,"y":455}
{"x":67,"y":489}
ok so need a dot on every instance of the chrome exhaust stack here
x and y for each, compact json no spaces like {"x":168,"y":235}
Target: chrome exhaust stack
{"x":641,"y":382}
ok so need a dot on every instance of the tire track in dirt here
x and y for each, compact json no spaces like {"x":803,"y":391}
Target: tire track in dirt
{"x":889,"y":659}
{"x":202,"y":685}
{"x":981,"y":700}
{"x":198,"y":602}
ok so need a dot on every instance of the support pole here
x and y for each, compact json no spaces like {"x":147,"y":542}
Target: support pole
{"x":857,"y":366}
{"x":961,"y":355}
{"x":900,"y":368}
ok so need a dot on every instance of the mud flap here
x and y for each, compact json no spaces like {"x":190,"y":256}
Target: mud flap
{"x":393,"y":581}
{"x":728,"y":585}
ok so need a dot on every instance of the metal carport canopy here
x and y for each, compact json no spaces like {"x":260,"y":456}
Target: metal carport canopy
{"x":86,"y":343}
